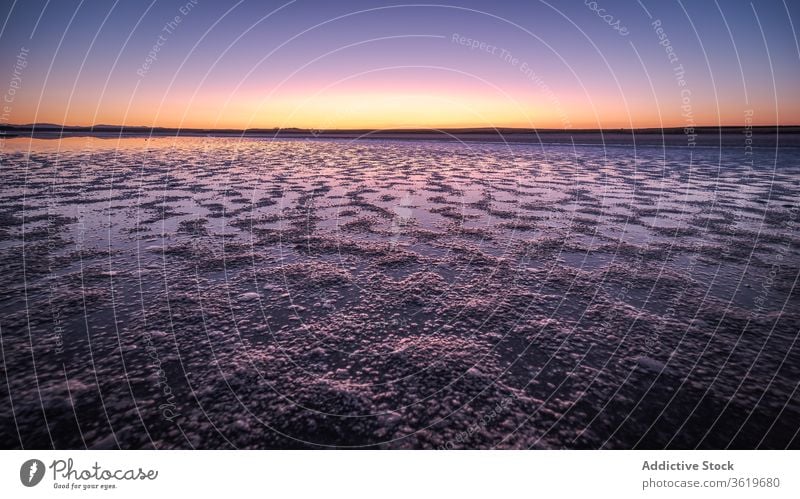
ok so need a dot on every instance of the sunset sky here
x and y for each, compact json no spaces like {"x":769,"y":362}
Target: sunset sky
{"x":374,"y":64}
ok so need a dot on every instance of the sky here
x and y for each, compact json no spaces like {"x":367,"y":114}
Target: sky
{"x":382,"y":64}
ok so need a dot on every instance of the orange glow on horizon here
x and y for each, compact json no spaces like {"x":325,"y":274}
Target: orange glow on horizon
{"x":388,"y":100}
{"x":375,"y":110}
{"x":383,"y":101}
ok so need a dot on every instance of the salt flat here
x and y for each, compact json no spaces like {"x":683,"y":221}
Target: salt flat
{"x":218,"y":293}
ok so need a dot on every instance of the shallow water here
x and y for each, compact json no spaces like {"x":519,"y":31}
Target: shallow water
{"x":218,"y":293}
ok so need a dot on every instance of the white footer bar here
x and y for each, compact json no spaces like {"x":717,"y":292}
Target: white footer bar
{"x":400,"y":474}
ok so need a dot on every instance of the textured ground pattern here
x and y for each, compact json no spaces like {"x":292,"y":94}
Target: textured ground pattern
{"x":218,"y":293}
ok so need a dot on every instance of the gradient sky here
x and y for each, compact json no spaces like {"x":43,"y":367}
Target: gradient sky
{"x":352,"y":64}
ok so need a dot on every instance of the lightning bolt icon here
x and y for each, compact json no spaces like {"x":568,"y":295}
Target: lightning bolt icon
{"x":33,"y":470}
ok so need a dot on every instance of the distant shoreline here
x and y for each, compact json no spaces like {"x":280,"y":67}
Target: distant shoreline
{"x":727,"y":136}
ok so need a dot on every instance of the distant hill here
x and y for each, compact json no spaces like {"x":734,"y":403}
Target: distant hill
{"x":710,"y":136}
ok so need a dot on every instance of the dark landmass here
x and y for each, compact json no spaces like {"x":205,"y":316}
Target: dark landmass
{"x":706,"y":136}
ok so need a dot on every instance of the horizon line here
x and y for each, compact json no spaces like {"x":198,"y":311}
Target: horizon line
{"x":485,"y":129}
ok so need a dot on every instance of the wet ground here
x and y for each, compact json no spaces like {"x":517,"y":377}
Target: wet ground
{"x":223,"y":293}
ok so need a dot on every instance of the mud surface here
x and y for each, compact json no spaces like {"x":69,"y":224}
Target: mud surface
{"x":218,"y":293}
